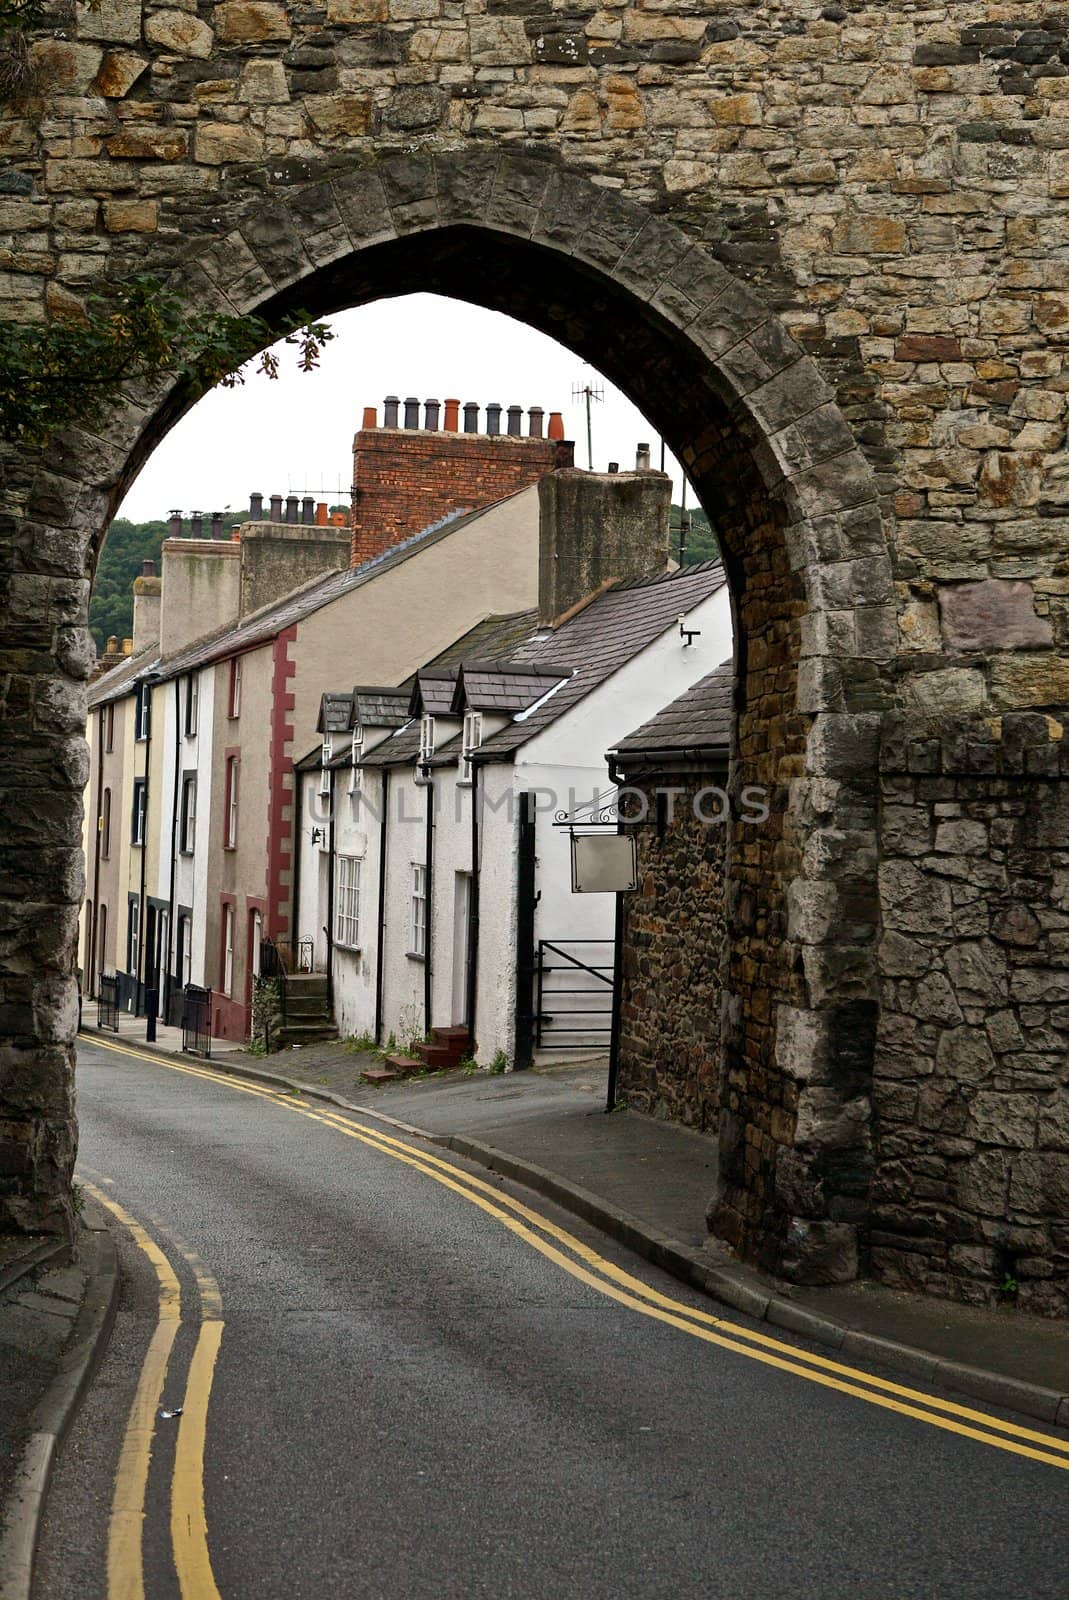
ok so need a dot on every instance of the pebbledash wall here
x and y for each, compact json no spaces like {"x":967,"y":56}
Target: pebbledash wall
{"x":823,"y":248}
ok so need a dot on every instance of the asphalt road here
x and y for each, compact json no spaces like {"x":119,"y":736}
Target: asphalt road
{"x":413,"y":1400}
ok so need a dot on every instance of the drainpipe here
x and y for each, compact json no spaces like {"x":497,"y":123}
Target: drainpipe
{"x":167,"y":977}
{"x":428,"y":937}
{"x":380,"y":954}
{"x":329,"y":929}
{"x":473,"y":919}
{"x":295,"y":893}
{"x":142,"y":929}
{"x":94,"y":915}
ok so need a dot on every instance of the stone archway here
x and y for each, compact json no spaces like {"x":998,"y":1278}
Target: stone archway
{"x":797,"y":509}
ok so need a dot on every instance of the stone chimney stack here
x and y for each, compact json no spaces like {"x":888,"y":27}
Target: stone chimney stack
{"x":593,"y":526}
{"x":147,"y":602}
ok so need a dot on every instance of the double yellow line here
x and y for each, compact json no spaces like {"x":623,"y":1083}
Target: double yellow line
{"x":189,"y":1532}
{"x":586,"y":1265}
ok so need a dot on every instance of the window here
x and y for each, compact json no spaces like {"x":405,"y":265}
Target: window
{"x":228,"y":949}
{"x":256,"y":933}
{"x":231,"y":837}
{"x":347,"y":910}
{"x":185,"y":949}
{"x":137,"y":821}
{"x":324,"y":764}
{"x":109,"y":725}
{"x":356,"y":776}
{"x":133,"y":935}
{"x":234,"y":696}
{"x":188,"y":833}
{"x":143,"y":711}
{"x":104,"y":824}
{"x":418,"y":946}
{"x":102,"y":953}
{"x":192,"y":704}
{"x":426,"y":737}
{"x":471,"y":739}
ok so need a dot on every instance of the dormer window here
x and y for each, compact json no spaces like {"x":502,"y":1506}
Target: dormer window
{"x":471,"y":739}
{"x":356,"y":776}
{"x":426,"y":738}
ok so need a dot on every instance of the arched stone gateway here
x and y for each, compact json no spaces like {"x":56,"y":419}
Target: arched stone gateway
{"x":730,"y":218}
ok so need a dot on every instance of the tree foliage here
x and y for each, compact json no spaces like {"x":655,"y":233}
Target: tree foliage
{"x":70,"y":371}
{"x":127,"y":546}
{"x":702,"y":543}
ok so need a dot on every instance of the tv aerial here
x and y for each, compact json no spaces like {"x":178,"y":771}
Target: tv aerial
{"x":589,"y":393}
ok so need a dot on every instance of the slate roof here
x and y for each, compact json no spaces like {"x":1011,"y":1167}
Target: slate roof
{"x":335,"y":713}
{"x":121,"y":678}
{"x":598,"y":641}
{"x":569,"y":663}
{"x":380,"y":708}
{"x":501,"y":686}
{"x":700,"y":719}
{"x":263,"y":625}
{"x":433,"y":692}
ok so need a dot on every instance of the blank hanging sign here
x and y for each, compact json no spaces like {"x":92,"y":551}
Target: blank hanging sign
{"x":603,"y":863}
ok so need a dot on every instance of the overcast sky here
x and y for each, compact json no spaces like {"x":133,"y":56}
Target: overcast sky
{"x":296,"y":434}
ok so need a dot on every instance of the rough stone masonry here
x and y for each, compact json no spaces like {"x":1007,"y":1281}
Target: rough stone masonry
{"x":826,"y":249}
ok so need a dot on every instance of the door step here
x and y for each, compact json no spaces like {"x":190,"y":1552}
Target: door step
{"x":379,"y":1075}
{"x":405,"y":1066}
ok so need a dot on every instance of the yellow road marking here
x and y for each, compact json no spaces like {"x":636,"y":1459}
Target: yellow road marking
{"x":189,"y":1529}
{"x":649,"y":1302}
{"x":126,"y":1574}
{"x":189,"y":1526}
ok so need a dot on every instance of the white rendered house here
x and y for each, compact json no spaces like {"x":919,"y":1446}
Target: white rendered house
{"x":461,"y":826}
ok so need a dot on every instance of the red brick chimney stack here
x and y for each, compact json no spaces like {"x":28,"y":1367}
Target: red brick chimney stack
{"x":406,"y":477}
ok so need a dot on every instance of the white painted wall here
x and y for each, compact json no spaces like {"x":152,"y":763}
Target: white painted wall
{"x":562,"y":765}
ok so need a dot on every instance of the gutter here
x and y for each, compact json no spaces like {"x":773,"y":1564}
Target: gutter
{"x":381,"y":952}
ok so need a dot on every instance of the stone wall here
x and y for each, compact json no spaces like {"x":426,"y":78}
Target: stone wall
{"x":822,"y":247}
{"x":971,"y":1096}
{"x":672,"y":956}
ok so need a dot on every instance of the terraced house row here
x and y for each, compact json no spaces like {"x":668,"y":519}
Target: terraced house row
{"x":238,"y":794}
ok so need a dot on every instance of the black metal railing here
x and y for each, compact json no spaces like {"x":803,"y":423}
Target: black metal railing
{"x":197,"y":1021}
{"x":573,"y":994}
{"x":108,"y":1001}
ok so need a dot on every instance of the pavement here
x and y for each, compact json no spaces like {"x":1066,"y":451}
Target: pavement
{"x":57,"y":1301}
{"x":647,"y":1184}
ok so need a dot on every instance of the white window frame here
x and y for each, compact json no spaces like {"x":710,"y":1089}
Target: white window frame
{"x":347,"y":902}
{"x":417,"y":928}
{"x":324,"y":768}
{"x":133,"y":936}
{"x":142,"y":711}
{"x":186,"y":977}
{"x":256,"y":934}
{"x":470,"y":740}
{"x":228,"y":948}
{"x":231,"y":840}
{"x":192,"y":705}
{"x":234,"y":708}
{"x":426,"y":736}
{"x":140,"y":818}
{"x":356,"y":775}
{"x":188,"y":815}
